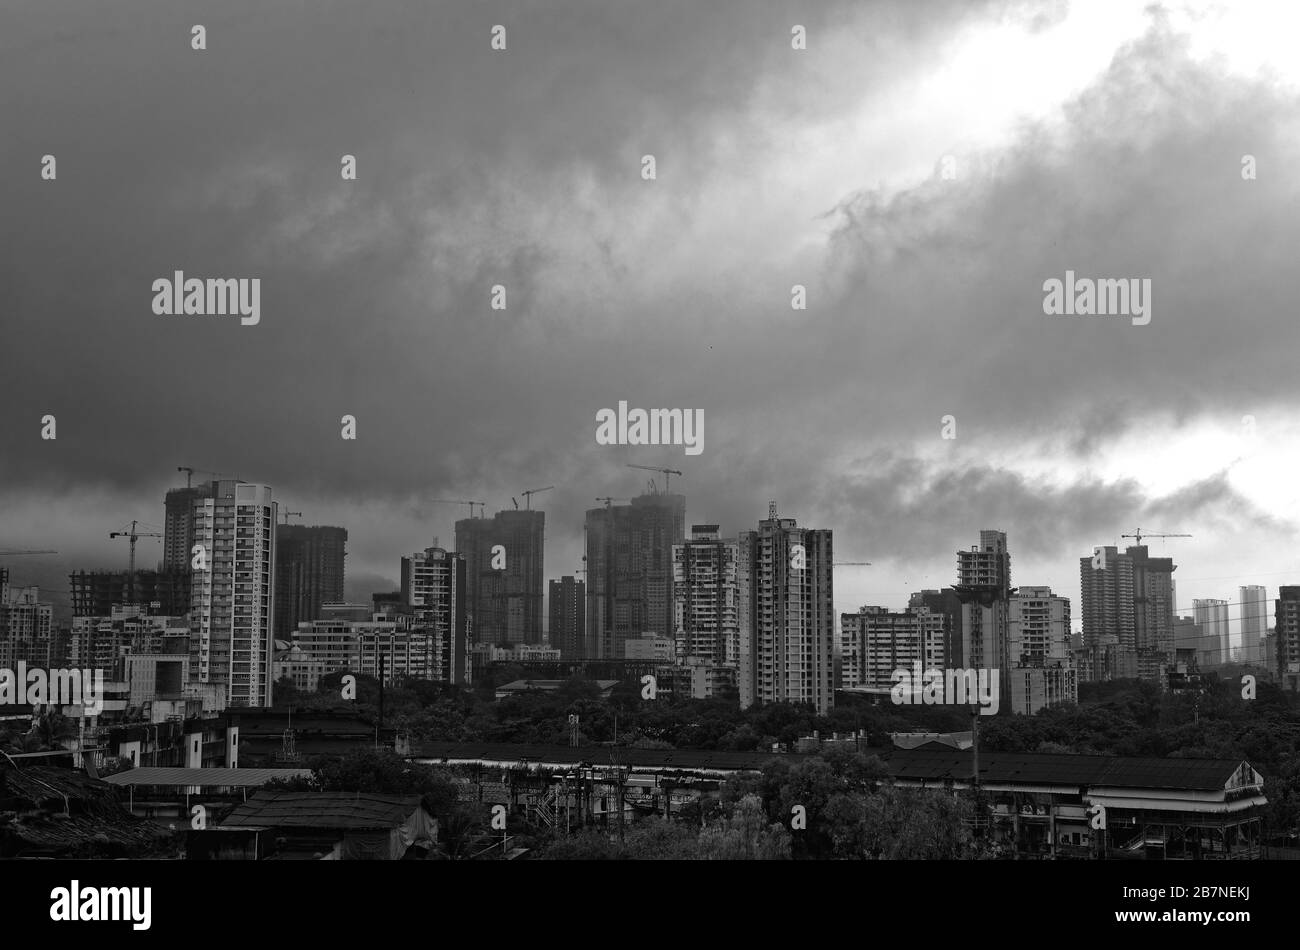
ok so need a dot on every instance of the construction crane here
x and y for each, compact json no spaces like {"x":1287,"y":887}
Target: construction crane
{"x":1138,"y":536}
{"x":19,"y":552}
{"x":457,"y":501}
{"x":528,"y":495}
{"x":189,"y":473}
{"x":666,"y":471}
{"x":851,"y":563}
{"x":134,"y":535}
{"x":287,"y":514}
{"x":608,"y":499}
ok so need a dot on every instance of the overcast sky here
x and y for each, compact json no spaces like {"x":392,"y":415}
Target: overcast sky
{"x":1107,"y":139}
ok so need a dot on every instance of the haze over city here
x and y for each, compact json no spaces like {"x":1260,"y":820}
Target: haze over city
{"x":924,"y":293}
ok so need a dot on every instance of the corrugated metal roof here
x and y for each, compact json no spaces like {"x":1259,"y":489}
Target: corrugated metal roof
{"x":210,"y":778}
{"x":934,"y":763}
{"x":600,"y":755}
{"x":323,"y":810}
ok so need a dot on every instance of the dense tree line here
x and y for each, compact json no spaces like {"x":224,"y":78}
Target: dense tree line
{"x":1118,"y":718}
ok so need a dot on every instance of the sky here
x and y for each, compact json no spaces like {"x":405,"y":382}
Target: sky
{"x":921,"y":169}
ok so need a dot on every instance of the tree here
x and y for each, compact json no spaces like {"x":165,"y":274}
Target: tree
{"x":385,"y":772}
{"x":916,"y":825}
{"x":589,"y":845}
{"x":745,"y":836}
{"x":662,"y":839}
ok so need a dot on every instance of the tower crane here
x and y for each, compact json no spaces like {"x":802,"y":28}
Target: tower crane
{"x":1138,"y":535}
{"x":457,"y":501}
{"x":528,"y":495}
{"x":666,"y":472}
{"x":19,"y":552}
{"x":134,"y":535}
{"x":287,"y":515}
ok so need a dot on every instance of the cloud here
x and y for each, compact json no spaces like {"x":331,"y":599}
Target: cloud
{"x":522,"y":169}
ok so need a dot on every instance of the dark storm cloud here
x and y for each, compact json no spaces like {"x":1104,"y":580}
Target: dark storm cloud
{"x":521,"y":169}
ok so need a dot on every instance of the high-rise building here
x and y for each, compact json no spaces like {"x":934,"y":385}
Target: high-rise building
{"x":1038,"y":624}
{"x":308,"y":573}
{"x":947,"y":604}
{"x":984,"y":588}
{"x":568,"y":610}
{"x":660,"y":521}
{"x":1153,"y":604}
{"x":1212,"y":617}
{"x":1254,"y":623}
{"x":1106,"y":589}
{"x":96,"y":593}
{"x":706,"y":597}
{"x":875,"y":642}
{"x":787,"y":615}
{"x":630,"y":571}
{"x":504,"y":568}
{"x":232,"y":600}
{"x":26,"y":626}
{"x":178,"y":525}
{"x":1286,"y":637}
{"x":433,"y":586}
{"x":1042,"y":669}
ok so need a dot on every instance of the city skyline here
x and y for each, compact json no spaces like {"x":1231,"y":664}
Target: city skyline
{"x":806,"y":168}
{"x":361,"y":585}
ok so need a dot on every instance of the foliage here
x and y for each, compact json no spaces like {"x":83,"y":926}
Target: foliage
{"x":745,"y":836}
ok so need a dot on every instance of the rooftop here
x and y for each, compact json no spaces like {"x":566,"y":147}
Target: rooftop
{"x":322,"y":810}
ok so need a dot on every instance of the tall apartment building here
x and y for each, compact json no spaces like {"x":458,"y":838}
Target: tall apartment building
{"x":504,"y":603}
{"x":26,"y":626}
{"x":1038,"y":625}
{"x":1286,"y":637}
{"x":308,"y":573}
{"x":1106,"y":589}
{"x":947,"y":604}
{"x":232,"y":604}
{"x":787,"y":616}
{"x":568,"y":614}
{"x":1254,"y":623}
{"x":433,"y":586}
{"x":1042,"y":671}
{"x":984,"y":588}
{"x":629,"y":560}
{"x":178,"y":525}
{"x":1212,"y":617}
{"x":875,"y":642}
{"x":706,"y":597}
{"x":1153,"y":603}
